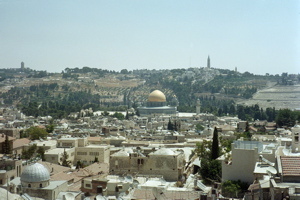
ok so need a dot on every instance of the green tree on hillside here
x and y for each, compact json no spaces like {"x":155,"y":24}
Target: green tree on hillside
{"x":286,"y":117}
{"x":118,"y":115}
{"x":36,"y":133}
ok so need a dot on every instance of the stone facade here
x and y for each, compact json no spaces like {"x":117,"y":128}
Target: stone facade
{"x":88,"y":154}
{"x":163,"y":162}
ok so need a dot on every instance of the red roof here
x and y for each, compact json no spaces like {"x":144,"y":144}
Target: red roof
{"x":290,"y":165}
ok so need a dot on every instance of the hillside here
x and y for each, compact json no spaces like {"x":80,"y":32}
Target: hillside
{"x":59,"y":94}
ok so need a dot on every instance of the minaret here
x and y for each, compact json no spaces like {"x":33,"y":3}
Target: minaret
{"x":22,"y":65}
{"x":198,"y":104}
{"x":208,"y":62}
{"x":295,"y":139}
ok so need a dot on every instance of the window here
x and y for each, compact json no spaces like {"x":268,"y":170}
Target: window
{"x":81,"y":153}
{"x":41,"y":185}
{"x":94,"y":153}
{"x":66,"y":144}
{"x":29,"y":185}
{"x":296,"y":138}
{"x":88,"y":185}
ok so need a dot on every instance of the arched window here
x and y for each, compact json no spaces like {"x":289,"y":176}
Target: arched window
{"x":29,"y":185}
{"x":41,"y":185}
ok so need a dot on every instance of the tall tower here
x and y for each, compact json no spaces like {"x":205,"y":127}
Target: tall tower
{"x":198,"y":105}
{"x":22,"y":65}
{"x":208,"y":62}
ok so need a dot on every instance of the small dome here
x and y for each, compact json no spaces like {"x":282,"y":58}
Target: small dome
{"x":230,"y":133}
{"x":156,"y":96}
{"x":165,"y":152}
{"x":123,"y":153}
{"x":35,"y":173}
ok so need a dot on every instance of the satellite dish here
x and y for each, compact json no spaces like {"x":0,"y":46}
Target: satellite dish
{"x":69,"y":196}
{"x":135,"y":183}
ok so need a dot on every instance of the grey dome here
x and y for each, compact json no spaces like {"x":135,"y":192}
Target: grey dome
{"x":35,"y":173}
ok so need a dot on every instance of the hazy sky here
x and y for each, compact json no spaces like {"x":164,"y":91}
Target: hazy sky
{"x":261,"y":36}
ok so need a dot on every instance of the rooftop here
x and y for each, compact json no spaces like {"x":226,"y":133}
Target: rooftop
{"x":249,"y":145}
{"x":290,"y":165}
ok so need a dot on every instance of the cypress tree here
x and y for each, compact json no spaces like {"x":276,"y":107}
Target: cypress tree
{"x":215,"y":145}
{"x":170,"y":125}
{"x":64,"y":159}
{"x":6,"y":146}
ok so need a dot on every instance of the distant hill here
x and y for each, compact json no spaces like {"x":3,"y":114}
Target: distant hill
{"x":58,"y":94}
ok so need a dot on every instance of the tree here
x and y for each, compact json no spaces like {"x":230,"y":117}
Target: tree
{"x":127,"y":115}
{"x":50,"y":128}
{"x":137,"y":112}
{"x":118,"y":115}
{"x":41,"y":152}
{"x":210,"y":171}
{"x":241,"y":113}
{"x":230,"y":189}
{"x":199,"y":127}
{"x":64,"y":159}
{"x":232,"y":109}
{"x":247,"y":127}
{"x":226,"y":144}
{"x":203,"y":150}
{"x":105,"y":113}
{"x":234,"y":189}
{"x":29,"y":153}
{"x":79,"y":164}
{"x":36,"y":133}
{"x":215,"y":145}
{"x":170,"y":125}
{"x":124,"y":71}
{"x":286,"y":117}
{"x":6,"y":146}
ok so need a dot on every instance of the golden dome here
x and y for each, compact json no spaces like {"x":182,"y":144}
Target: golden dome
{"x":156,"y":96}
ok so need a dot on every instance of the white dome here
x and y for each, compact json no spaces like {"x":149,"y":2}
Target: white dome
{"x":123,"y":153}
{"x":164,"y":151}
{"x":35,"y":173}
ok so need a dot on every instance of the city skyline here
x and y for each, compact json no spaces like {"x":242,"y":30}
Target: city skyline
{"x":259,"y":37}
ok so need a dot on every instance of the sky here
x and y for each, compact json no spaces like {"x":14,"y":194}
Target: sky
{"x":261,"y":36}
